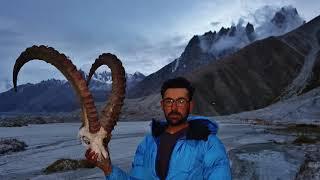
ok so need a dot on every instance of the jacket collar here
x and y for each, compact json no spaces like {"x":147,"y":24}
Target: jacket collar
{"x":200,"y":128}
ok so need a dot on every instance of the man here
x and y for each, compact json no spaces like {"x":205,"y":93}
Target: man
{"x":183,"y":147}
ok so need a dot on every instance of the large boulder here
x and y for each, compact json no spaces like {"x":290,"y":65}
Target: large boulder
{"x":310,"y":169}
{"x":8,"y":145}
{"x":67,"y":165}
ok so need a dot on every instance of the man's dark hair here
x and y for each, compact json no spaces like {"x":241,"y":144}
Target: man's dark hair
{"x":178,"y":82}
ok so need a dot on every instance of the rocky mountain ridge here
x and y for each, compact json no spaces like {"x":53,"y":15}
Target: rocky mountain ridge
{"x":211,"y":46}
{"x":266,"y":72}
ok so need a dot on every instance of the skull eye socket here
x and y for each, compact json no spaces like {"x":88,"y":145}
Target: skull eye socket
{"x":85,"y":140}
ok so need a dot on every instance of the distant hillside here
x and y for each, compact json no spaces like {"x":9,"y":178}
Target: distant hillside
{"x":250,"y":79}
{"x":51,"y":95}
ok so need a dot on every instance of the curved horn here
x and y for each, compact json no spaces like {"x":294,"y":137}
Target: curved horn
{"x":110,"y":113}
{"x":66,"y":67}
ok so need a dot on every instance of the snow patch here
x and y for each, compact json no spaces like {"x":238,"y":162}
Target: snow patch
{"x":176,"y":65}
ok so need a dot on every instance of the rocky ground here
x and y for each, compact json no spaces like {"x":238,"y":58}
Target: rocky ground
{"x":9,"y":145}
{"x":25,"y":120}
{"x":275,"y":152}
{"x":310,"y":169}
{"x":67,"y":165}
{"x":267,"y":151}
{"x":256,"y":151}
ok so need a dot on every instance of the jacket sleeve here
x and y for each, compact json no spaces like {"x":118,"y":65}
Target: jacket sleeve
{"x":137,"y":169}
{"x":216,"y":162}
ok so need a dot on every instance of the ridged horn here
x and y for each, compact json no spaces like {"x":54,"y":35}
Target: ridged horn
{"x":110,"y":113}
{"x":66,"y":67}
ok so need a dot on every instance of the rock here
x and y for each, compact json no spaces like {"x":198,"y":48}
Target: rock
{"x":20,"y":121}
{"x":310,"y":169}
{"x":13,"y":122}
{"x":67,"y":165}
{"x":250,"y":31}
{"x":304,"y":140}
{"x":223,"y":31}
{"x":257,"y":161}
{"x":11,"y":145}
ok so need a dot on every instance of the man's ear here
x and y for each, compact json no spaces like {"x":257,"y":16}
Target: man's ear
{"x":161,"y":103}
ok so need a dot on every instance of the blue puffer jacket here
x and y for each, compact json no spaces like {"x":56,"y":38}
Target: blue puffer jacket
{"x":199,"y":154}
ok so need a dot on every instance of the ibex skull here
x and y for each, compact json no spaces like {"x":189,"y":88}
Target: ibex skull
{"x":95,"y":131}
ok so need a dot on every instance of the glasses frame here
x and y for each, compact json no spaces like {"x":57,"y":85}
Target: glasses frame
{"x":176,"y":101}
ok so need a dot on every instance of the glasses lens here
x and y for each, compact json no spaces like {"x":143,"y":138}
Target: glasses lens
{"x":181,"y":102}
{"x":168,"y":102}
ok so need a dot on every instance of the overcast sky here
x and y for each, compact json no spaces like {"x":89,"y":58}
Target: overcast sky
{"x":144,"y":34}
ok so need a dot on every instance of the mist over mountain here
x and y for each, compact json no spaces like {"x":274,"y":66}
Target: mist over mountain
{"x":212,"y":46}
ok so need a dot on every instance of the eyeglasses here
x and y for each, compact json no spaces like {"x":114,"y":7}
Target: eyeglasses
{"x":181,"y":102}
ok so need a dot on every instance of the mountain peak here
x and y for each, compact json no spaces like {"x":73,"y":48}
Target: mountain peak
{"x":136,"y":76}
{"x":137,"y":73}
{"x":284,"y":16}
{"x":249,"y":28}
{"x":250,"y":31}
{"x":193,"y":43}
{"x":223,"y":31}
{"x":232,"y":31}
{"x":209,"y":33}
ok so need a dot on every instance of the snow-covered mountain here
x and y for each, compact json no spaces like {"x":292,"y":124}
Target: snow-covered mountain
{"x":204,"y":49}
{"x":105,"y":77}
{"x":56,"y":95}
{"x":103,"y":80}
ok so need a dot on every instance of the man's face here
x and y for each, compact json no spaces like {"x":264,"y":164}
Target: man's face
{"x":176,"y":105}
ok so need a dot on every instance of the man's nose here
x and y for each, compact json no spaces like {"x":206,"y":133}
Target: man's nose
{"x":174,"y":105}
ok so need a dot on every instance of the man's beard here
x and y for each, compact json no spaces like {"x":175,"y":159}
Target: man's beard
{"x":181,"y":120}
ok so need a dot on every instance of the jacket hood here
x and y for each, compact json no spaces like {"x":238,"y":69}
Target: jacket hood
{"x":200,"y":127}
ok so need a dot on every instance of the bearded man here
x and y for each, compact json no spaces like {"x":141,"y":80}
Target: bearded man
{"x":182,"y":147}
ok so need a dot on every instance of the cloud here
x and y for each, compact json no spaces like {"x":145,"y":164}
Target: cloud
{"x":141,"y":54}
{"x":214,"y":24}
{"x":10,"y":41}
{"x":150,"y":56}
{"x":265,"y":26}
{"x":10,"y":35}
